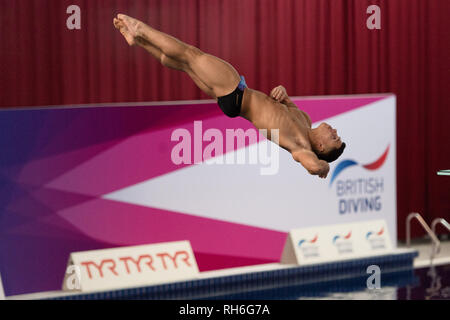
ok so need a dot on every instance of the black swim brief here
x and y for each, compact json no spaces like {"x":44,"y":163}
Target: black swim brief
{"x":231,"y":103}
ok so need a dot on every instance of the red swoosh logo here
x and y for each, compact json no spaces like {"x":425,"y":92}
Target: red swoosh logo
{"x":348,"y":236}
{"x":379,"y":162}
{"x":379,"y":233}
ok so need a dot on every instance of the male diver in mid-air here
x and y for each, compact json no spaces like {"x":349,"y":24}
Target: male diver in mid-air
{"x":313,"y":148}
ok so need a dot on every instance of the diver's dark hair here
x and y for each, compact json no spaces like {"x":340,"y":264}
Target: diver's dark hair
{"x":332,"y":155}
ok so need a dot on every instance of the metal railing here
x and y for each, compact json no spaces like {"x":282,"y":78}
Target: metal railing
{"x":2,"y":293}
{"x":439,"y":221}
{"x":436,"y":242}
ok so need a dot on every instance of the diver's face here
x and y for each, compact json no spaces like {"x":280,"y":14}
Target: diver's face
{"x":329,"y":137}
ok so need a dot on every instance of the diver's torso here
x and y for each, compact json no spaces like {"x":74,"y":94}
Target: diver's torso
{"x":266,"y":113}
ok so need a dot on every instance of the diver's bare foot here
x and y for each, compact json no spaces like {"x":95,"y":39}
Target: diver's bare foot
{"x":122,"y":27}
{"x":133,"y":25}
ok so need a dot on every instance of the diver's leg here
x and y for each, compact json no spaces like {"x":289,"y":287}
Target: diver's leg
{"x":162,"y":58}
{"x":215,"y":73}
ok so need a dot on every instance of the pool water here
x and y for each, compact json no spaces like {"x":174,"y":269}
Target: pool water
{"x":432,"y":283}
{"x":413,"y":284}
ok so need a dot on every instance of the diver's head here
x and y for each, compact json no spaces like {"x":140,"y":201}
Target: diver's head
{"x":326,"y":143}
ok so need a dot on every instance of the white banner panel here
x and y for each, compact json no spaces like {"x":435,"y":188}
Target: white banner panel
{"x":126,"y":267}
{"x":337,"y":242}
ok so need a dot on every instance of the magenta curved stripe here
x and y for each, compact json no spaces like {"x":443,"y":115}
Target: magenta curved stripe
{"x":129,"y":224}
{"x":104,"y":167}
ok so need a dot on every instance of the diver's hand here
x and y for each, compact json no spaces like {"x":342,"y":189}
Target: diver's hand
{"x":324,"y":168}
{"x":279,"y":93}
